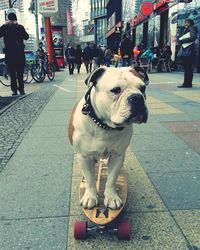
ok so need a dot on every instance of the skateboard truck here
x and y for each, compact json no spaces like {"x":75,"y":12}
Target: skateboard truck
{"x":81,"y":230}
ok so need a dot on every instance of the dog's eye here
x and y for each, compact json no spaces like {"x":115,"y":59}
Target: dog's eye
{"x":116,"y":90}
{"x":142,"y":88}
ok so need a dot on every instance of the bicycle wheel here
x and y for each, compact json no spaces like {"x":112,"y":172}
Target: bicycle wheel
{"x":4,"y":75}
{"x":50,"y":72}
{"x":27,"y":77}
{"x":5,"y":80}
{"x":38,"y":73}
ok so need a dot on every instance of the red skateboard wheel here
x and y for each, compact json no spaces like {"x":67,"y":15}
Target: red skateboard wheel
{"x":80,"y":230}
{"x":124,"y":231}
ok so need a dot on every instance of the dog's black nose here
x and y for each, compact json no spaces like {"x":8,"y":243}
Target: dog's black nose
{"x":136,"y":99}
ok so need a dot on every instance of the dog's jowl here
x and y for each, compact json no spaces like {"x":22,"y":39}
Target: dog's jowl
{"x":101,"y":126}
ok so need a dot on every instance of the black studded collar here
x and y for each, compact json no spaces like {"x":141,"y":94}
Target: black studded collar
{"x":89,"y":110}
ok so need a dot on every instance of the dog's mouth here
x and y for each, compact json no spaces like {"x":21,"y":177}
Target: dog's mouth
{"x":140,"y":117}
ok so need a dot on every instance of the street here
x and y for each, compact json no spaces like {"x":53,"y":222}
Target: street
{"x":39,"y":175}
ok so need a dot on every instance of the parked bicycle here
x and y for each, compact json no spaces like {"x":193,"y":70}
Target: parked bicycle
{"x":4,"y":74}
{"x":27,"y":73}
{"x":41,"y":69}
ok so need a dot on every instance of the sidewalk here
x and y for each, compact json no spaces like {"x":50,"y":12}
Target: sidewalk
{"x":39,"y":182}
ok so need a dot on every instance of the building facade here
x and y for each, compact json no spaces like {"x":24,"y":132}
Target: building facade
{"x":165,"y":24}
{"x":88,"y":32}
{"x":99,"y":15}
{"x":63,"y":19}
{"x":114,"y":24}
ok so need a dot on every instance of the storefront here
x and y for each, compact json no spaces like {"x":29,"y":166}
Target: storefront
{"x":166,"y":24}
{"x":153,"y":30}
{"x":114,"y":24}
{"x":140,"y":29}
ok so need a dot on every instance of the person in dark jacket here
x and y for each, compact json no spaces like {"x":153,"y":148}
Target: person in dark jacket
{"x":41,"y":53}
{"x":167,"y":53}
{"x":188,"y":54}
{"x":78,"y":57}
{"x":70,"y":55}
{"x":100,"y":59}
{"x":87,"y":57}
{"x":126,"y":50}
{"x":14,"y":34}
{"x":95,"y":56}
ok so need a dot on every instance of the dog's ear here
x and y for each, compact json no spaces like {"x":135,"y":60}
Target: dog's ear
{"x":140,"y":72}
{"x":94,"y":76}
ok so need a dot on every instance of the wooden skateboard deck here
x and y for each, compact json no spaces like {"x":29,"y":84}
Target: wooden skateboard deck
{"x":100,"y":214}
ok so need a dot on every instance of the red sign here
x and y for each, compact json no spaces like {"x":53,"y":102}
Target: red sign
{"x":138,"y":19}
{"x":160,"y":3}
{"x":146,"y":8}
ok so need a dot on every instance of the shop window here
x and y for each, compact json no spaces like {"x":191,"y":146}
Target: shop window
{"x":139,"y":34}
{"x":150,"y":41}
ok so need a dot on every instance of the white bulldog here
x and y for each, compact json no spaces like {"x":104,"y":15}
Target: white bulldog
{"x":101,"y":126}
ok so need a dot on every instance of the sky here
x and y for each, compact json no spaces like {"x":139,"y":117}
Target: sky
{"x":30,"y":18}
{"x":79,"y":7}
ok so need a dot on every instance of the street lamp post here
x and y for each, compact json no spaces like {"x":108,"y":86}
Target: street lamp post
{"x":34,"y":10}
{"x":36,"y":24}
{"x":11,"y":3}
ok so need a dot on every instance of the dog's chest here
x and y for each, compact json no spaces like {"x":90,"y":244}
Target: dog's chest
{"x":101,"y":144}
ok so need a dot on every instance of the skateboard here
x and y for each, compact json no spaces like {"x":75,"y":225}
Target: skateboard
{"x":100,"y":215}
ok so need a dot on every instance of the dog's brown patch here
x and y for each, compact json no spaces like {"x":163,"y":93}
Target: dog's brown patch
{"x":71,"y":126}
{"x":134,"y":72}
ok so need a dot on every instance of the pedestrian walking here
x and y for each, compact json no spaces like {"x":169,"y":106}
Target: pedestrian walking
{"x":78,"y":57}
{"x":116,"y":57}
{"x":70,"y":55}
{"x":87,"y":57}
{"x":164,"y":58}
{"x":100,"y":59}
{"x":141,"y":49}
{"x":187,"y":52}
{"x":13,"y":35}
{"x":41,"y":52}
{"x":126,"y":49}
{"x":95,"y":56}
{"x":107,"y":56}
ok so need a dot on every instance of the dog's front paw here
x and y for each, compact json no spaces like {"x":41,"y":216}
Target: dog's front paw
{"x":112,"y":199}
{"x":89,"y":199}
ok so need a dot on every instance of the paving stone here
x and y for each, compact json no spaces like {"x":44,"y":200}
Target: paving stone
{"x":36,"y":186}
{"x":163,"y":161}
{"x":179,"y":190}
{"x":18,"y":118}
{"x":149,"y":142}
{"x":189,"y":222}
{"x":34,"y":234}
{"x":187,"y":126}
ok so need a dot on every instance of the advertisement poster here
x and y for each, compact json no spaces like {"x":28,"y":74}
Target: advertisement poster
{"x":58,"y":45}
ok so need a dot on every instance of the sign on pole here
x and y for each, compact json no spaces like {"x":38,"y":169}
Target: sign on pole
{"x":146,"y":8}
{"x":47,"y":7}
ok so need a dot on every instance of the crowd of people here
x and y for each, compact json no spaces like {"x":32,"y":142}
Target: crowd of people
{"x":94,"y":56}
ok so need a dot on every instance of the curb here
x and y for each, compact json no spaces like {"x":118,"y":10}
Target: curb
{"x":13,"y":103}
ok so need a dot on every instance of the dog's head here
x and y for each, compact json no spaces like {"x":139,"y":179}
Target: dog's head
{"x":118,"y":95}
